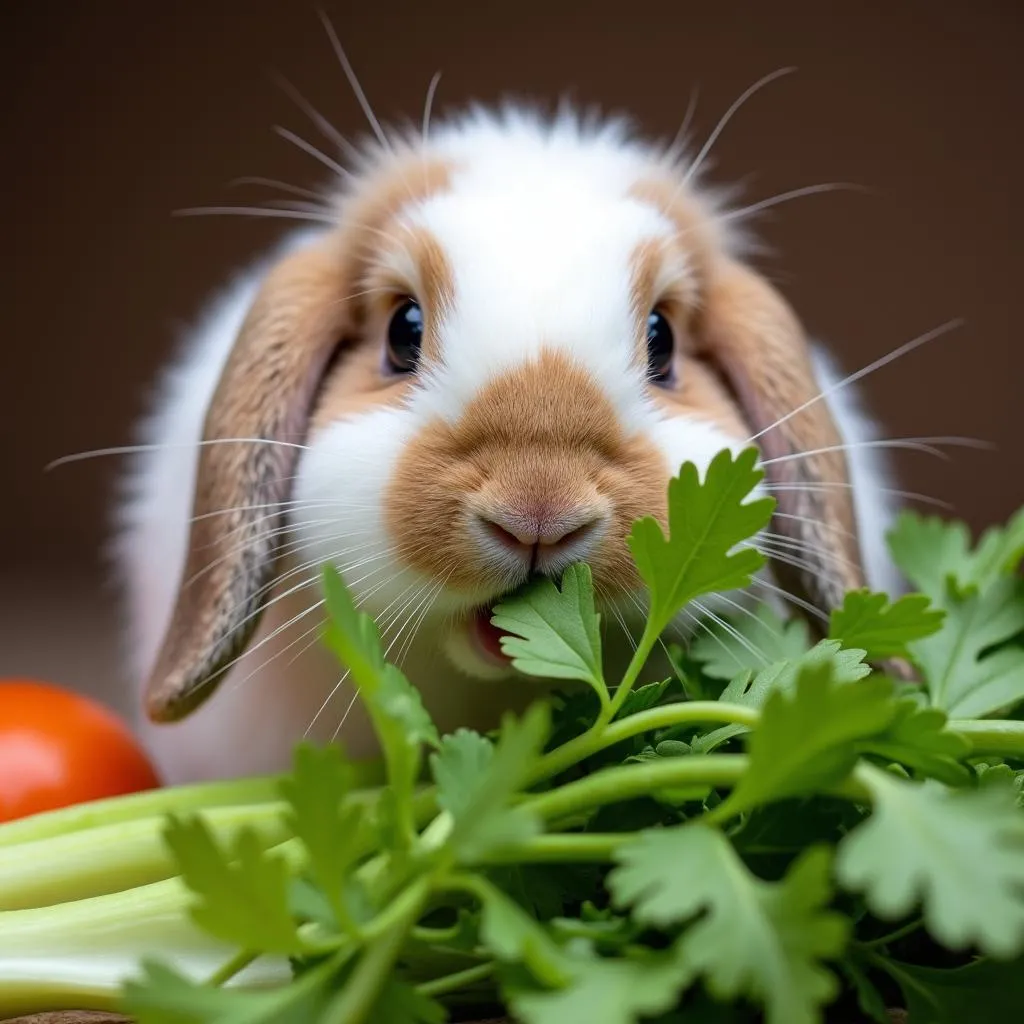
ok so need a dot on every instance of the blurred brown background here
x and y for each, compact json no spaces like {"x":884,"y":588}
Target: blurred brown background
{"x":116,"y":113}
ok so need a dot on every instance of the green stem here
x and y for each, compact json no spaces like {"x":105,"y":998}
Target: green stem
{"x":235,"y":965}
{"x":612,"y":785}
{"x":1003,"y":738}
{"x":599,"y":737}
{"x":355,"y":1001}
{"x":453,"y":982}
{"x":893,"y":936}
{"x":559,"y":848}
{"x":409,"y":901}
{"x":643,"y":651}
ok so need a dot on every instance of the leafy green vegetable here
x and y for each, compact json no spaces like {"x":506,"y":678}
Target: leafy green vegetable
{"x":242,"y":895}
{"x":774,"y":833}
{"x":706,"y":524}
{"x":958,"y":853}
{"x":868,"y":621}
{"x":762,"y":939}
{"x":555,"y":633}
{"x":763,"y":639}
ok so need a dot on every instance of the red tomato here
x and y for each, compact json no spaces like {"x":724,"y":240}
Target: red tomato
{"x":59,"y":748}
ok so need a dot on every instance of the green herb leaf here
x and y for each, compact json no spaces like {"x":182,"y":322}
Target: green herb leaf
{"x":334,"y":835}
{"x":606,"y":991}
{"x":762,"y":940}
{"x":555,"y":633}
{"x":751,"y":642}
{"x":982,"y":992}
{"x":963,"y":676}
{"x":753,"y":691}
{"x":400,"y":1003}
{"x":243,"y":894}
{"x":807,"y":740}
{"x":707,"y":521}
{"x":476,"y":786}
{"x":959,"y":853}
{"x":918,"y":737}
{"x":868,"y":621}
{"x":161,"y":995}
{"x":929,"y":551}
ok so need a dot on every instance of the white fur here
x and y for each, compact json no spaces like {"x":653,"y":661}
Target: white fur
{"x":539,"y":230}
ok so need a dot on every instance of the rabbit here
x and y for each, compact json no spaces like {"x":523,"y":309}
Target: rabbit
{"x":488,"y":361}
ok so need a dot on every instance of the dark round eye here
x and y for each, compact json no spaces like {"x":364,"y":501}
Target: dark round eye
{"x":660,"y":346}
{"x":405,"y":335}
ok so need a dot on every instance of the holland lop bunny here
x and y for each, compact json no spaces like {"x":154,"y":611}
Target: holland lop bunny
{"x":487,"y":365}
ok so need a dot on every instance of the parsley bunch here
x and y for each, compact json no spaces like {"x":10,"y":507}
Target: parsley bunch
{"x":779,"y":831}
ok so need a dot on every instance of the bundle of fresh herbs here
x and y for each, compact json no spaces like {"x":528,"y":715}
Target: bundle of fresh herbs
{"x":780,"y":832}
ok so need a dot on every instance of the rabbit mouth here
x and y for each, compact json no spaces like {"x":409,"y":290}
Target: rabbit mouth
{"x":487,"y":638}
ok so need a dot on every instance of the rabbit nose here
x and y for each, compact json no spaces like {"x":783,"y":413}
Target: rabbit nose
{"x":543,"y":539}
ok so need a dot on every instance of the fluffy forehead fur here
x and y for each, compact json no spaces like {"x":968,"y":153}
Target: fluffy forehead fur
{"x":536,"y":249}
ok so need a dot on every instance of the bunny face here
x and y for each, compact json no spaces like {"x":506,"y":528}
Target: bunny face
{"x":490,"y":368}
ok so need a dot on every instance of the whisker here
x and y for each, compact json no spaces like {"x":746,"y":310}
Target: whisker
{"x":824,"y":485}
{"x":733,"y":632}
{"x":920,"y":444}
{"x":878,"y":364}
{"x":791,"y":598}
{"x":785,"y":197}
{"x":253,"y":211}
{"x":326,"y":128}
{"x":135,"y":449}
{"x":428,"y":105}
{"x":727,"y":117}
{"x":679,"y":141}
{"x":284,"y":186}
{"x":311,"y":150}
{"x":353,"y":81}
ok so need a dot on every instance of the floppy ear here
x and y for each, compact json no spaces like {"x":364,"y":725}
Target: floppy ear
{"x":265,"y":393}
{"x":751,"y":333}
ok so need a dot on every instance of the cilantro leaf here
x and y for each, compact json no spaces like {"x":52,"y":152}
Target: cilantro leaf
{"x":606,"y":991}
{"x":555,"y":633}
{"x":807,"y":739}
{"x":929,"y":551}
{"x":1002,"y":775}
{"x":394,"y":705}
{"x":982,"y":992}
{"x":161,"y":995}
{"x":963,"y":676}
{"x":753,"y":691}
{"x":958,"y":852}
{"x":764,"y":638}
{"x":400,"y":1003}
{"x":476,"y":787}
{"x":763,"y":940}
{"x":918,"y":737}
{"x":242,"y":894}
{"x":333,"y":834}
{"x":707,"y":521}
{"x":867,"y":620}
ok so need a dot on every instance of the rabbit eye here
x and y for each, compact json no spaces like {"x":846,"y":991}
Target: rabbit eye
{"x":660,"y":347}
{"x":405,"y":335}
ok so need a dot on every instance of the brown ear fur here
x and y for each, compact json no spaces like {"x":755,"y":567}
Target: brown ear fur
{"x":265,"y":391}
{"x":754,"y":337}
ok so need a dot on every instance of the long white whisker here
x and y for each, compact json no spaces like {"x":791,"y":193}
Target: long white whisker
{"x":311,"y":150}
{"x":727,"y":117}
{"x":920,"y":444}
{"x":134,"y":449}
{"x":284,"y":186}
{"x":428,"y":104}
{"x":326,"y":128}
{"x":353,"y":81}
{"x":253,"y":211}
{"x":785,"y":197}
{"x":909,"y":346}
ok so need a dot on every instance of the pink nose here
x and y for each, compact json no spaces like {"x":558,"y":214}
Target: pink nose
{"x":543,"y":539}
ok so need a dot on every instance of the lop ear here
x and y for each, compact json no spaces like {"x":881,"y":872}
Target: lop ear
{"x":756,"y":340}
{"x":264,"y":394}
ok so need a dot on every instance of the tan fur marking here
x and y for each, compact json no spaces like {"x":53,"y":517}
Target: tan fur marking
{"x":542,"y":433}
{"x":307,"y":305}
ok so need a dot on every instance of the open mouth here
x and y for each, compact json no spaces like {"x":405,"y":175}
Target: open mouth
{"x":487,"y":638}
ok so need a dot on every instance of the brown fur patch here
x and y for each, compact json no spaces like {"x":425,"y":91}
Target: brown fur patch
{"x":308,"y":304}
{"x":543,"y":433}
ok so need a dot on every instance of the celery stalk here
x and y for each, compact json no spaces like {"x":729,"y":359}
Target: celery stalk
{"x":152,"y":803}
{"x":114,"y":857}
